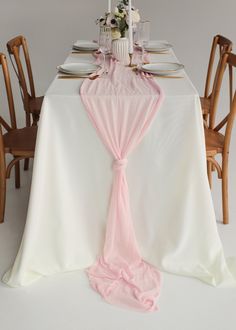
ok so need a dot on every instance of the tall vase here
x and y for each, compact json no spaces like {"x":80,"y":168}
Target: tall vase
{"x":120,"y":50}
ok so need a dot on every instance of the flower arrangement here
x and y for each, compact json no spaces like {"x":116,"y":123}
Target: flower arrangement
{"x":118,"y":19}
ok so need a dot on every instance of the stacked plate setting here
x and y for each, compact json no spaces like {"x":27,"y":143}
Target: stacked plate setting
{"x":83,"y":69}
{"x":157,"y":46}
{"x":85,"y":46}
{"x":162,"y":68}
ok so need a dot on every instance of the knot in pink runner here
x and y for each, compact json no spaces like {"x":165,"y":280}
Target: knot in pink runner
{"x":120,"y":164}
{"x":121,"y":107}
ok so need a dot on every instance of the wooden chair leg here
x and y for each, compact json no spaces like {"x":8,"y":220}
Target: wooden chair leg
{"x":26,"y":164}
{"x":205,"y":119}
{"x":209,"y":173}
{"x":35,"y":120}
{"x":2,"y":198}
{"x":225,"y":206}
{"x":28,"y":124}
{"x":17,"y":175}
{"x":27,"y":119}
{"x":2,"y":187}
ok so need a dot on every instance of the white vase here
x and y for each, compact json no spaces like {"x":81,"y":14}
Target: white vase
{"x":120,"y":50}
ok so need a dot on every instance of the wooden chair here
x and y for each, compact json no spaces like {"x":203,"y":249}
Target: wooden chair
{"x":218,"y":141}
{"x":224,"y":45}
{"x":32,"y":104}
{"x":20,"y":143}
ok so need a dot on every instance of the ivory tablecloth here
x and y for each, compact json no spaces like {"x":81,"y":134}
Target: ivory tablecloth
{"x":170,"y":198}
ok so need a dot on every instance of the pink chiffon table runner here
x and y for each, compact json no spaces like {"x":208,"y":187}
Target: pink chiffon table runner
{"x":121,"y":106}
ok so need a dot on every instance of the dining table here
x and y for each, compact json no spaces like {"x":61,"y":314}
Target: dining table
{"x":170,"y":198}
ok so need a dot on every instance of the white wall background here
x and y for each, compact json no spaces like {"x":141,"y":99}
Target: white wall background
{"x":51,"y":26}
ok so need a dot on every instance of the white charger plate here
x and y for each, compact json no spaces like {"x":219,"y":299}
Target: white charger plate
{"x":85,"y":45}
{"x":78,"y":68}
{"x":157,"y":46}
{"x":162,"y":68}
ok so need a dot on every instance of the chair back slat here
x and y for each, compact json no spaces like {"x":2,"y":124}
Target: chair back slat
{"x":29,"y":68}
{"x":231,"y":61}
{"x":230,"y":83}
{"x":227,"y":59}
{"x":20,"y":74}
{"x":216,"y":91}
{"x":14,"y":47}
{"x":6,"y":75}
{"x":224,"y":45}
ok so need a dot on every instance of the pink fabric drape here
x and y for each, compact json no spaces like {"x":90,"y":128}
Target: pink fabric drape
{"x":122,"y":106}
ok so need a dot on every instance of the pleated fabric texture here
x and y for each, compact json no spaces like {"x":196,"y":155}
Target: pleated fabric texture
{"x":122,"y":106}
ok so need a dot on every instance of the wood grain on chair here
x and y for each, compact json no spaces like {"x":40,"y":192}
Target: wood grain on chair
{"x":32,"y":104}
{"x":20,"y":143}
{"x":218,"y":141}
{"x":223,"y":45}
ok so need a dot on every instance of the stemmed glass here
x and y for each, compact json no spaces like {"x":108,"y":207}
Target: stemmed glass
{"x":105,"y":43}
{"x":143,"y":35}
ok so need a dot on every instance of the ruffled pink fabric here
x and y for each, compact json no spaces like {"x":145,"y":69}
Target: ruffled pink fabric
{"x":122,"y":107}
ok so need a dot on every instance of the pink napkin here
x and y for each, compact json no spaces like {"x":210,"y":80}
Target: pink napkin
{"x":121,"y":107}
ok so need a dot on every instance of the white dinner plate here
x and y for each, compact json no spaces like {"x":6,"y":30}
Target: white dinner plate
{"x":78,"y":68}
{"x":157,"y":46}
{"x":162,"y":68}
{"x":85,"y":45}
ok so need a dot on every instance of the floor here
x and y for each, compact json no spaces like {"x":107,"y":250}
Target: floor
{"x":66,"y":302}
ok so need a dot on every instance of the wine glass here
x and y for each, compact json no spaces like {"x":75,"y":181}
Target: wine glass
{"x":143,"y":35}
{"x":105,"y":40}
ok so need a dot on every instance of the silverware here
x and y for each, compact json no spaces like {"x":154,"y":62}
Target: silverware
{"x":150,"y":75}
{"x":81,"y":53}
{"x":159,"y":53}
{"x":72,"y":77}
{"x":168,"y":77}
{"x":85,"y":52}
{"x":78,"y":77}
{"x":94,"y":77}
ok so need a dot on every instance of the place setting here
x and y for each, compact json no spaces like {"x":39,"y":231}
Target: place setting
{"x":132,"y":50}
{"x":158,"y":47}
{"x":155,"y":47}
{"x":78,"y":70}
{"x":84,"y":47}
{"x":138,"y":60}
{"x":162,"y":70}
{"x":95,"y":67}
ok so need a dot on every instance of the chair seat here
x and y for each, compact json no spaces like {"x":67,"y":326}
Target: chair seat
{"x":205,"y":104}
{"x":20,"y":142}
{"x":35,"y":104}
{"x":214,"y":142}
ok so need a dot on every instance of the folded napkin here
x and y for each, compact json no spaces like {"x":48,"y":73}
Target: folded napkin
{"x":121,"y":107}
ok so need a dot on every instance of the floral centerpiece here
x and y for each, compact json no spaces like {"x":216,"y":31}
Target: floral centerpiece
{"x":118,"y":19}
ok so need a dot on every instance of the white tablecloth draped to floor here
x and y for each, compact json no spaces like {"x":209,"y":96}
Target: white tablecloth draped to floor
{"x":170,"y":198}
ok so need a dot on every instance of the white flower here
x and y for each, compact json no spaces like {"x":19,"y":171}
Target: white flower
{"x":111,"y":20}
{"x":115,"y":34}
{"x":108,"y":19}
{"x":135,"y":17}
{"x":117,"y":13}
{"x":101,"y":21}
